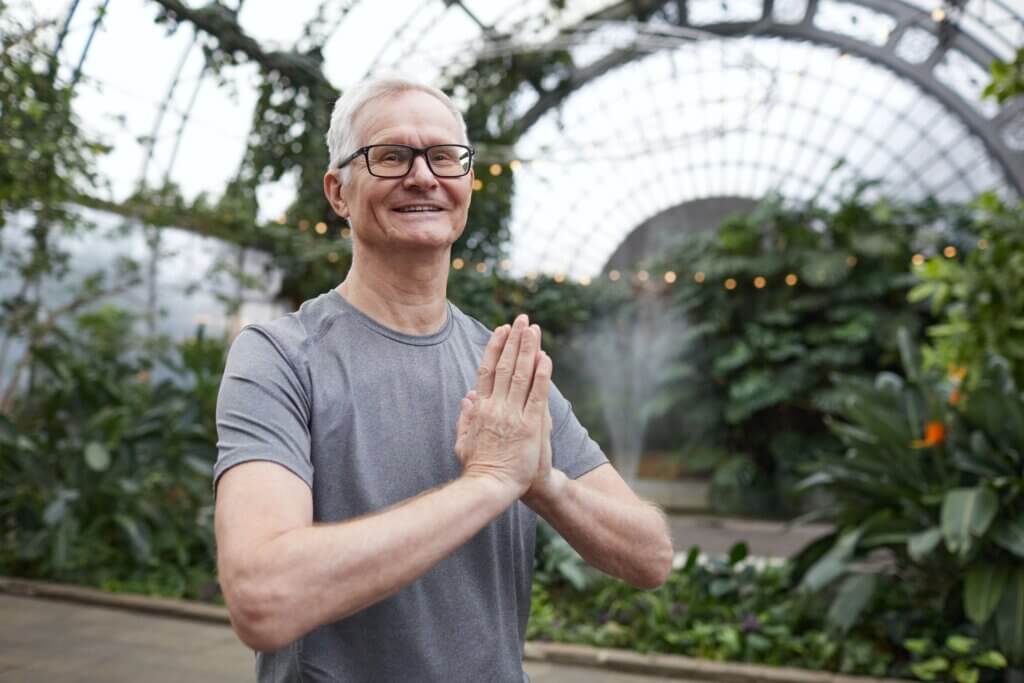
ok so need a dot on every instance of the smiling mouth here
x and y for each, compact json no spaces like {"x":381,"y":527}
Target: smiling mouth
{"x":418,"y":209}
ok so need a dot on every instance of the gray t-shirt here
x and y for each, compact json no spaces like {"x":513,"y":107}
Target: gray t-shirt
{"x":366,"y":417}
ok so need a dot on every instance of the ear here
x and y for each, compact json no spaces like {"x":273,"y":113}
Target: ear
{"x":333,"y":191}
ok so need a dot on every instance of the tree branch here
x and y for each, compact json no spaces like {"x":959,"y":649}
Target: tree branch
{"x":220,"y":22}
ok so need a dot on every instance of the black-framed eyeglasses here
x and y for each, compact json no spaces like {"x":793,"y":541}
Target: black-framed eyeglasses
{"x":395,"y":161}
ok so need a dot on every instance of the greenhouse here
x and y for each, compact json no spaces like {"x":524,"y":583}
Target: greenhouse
{"x":774,"y":253}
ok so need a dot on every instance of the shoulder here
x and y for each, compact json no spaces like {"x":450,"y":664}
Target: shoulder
{"x":290,"y":336}
{"x":472,"y":328}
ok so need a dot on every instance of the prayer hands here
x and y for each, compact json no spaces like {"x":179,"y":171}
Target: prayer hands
{"x":504,"y":428}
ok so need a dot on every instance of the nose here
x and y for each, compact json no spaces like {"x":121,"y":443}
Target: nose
{"x":420,"y":174}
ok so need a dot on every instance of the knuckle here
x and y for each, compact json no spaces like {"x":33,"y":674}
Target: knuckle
{"x":483,"y":372}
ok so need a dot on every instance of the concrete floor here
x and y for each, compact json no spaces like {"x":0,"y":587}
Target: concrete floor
{"x":62,"y":642}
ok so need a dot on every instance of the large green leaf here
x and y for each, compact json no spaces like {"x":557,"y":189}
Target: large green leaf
{"x":96,"y":456}
{"x":921,"y":544}
{"x":966,"y":515}
{"x":854,"y":595}
{"x":1009,"y":534}
{"x":1009,"y":618}
{"x":984,"y":584}
{"x":138,"y":537}
{"x":833,"y":563}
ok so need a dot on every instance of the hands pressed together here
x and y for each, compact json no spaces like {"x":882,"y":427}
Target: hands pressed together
{"x":504,"y":427}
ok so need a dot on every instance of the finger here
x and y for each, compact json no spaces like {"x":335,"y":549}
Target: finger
{"x":507,"y":362}
{"x":536,"y":331}
{"x":485,"y":371}
{"x":526,"y":362}
{"x":537,"y":402}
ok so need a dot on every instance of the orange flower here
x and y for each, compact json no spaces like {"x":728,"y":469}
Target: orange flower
{"x":956,"y":372}
{"x":934,"y":434}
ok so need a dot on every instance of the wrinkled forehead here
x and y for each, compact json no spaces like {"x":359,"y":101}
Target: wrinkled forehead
{"x":409,"y":112}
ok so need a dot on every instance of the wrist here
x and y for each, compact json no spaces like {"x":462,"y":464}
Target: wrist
{"x":548,"y":491}
{"x":498,"y":489}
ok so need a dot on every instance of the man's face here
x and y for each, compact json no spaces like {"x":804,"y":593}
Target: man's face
{"x":390,"y":211}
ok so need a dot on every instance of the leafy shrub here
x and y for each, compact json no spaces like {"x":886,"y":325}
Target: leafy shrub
{"x":784,"y":297}
{"x":105,"y":462}
{"x":938,"y":485}
{"x":744,"y":610}
{"x":980,"y":298}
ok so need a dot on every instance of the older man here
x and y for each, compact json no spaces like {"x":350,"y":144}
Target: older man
{"x":383,"y":457}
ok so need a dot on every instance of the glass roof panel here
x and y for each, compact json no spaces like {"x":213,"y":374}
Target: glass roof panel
{"x":705,"y":117}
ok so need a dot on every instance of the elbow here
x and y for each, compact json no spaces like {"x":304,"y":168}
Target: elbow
{"x":255,"y":612}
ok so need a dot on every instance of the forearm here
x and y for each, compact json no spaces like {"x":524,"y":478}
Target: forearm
{"x":627,"y":540}
{"x":318,"y":574}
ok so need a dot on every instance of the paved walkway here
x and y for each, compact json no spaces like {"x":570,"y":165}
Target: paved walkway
{"x":62,"y":642}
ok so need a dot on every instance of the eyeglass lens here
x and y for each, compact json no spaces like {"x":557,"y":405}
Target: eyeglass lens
{"x":396,"y":160}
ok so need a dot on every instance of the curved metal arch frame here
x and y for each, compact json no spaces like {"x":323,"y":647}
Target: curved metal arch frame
{"x":767,"y":166}
{"x":815,"y":186}
{"x":906,"y":16}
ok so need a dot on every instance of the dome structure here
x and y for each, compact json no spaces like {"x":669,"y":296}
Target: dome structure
{"x":659,"y":104}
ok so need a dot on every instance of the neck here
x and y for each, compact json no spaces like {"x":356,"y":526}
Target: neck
{"x":405,"y":291}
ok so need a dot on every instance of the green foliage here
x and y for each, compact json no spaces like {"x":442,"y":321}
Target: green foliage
{"x":808,"y":292}
{"x":938,"y":485}
{"x":44,"y":157}
{"x":958,"y":658}
{"x":741,"y":610}
{"x":981,"y":297}
{"x":1007,"y":79}
{"x":106,"y":459}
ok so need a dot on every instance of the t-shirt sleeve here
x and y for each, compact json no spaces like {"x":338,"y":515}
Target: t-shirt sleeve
{"x":572,"y":449}
{"x":263,"y":407}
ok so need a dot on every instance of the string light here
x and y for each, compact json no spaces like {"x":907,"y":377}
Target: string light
{"x":458,"y":263}
{"x":477,"y":184}
{"x":851,"y":260}
{"x":918,"y":259}
{"x":642,"y":276}
{"x":321,"y":228}
{"x":505,"y":264}
{"x":346,"y":233}
{"x":938,"y":15}
{"x":983,"y":243}
{"x":698,"y":277}
{"x":759,"y":282}
{"x":333,"y":257}
{"x":949,"y":251}
{"x":303,"y":225}
{"x":613,"y":275}
{"x":585,"y":280}
{"x":792,"y":279}
{"x":481,"y":267}
{"x":515,"y":165}
{"x":730,"y":284}
{"x":282,"y":219}
{"x":559,"y":278}
{"x":670,"y":277}
{"x":495,"y":169}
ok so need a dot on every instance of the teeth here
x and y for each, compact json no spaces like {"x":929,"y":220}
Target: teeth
{"x":411,"y":209}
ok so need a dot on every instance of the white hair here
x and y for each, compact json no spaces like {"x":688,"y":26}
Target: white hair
{"x":342,"y":137}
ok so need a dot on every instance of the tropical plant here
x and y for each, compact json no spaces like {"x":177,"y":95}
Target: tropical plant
{"x":105,"y":463}
{"x":783,"y":297}
{"x":959,"y":658}
{"x":934,"y":479}
{"x":743,"y":609}
{"x":979,"y":292}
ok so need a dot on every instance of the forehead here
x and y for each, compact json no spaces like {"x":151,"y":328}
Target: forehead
{"x":410,"y":115}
